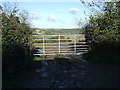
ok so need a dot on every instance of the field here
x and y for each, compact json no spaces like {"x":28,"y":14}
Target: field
{"x":58,"y":31}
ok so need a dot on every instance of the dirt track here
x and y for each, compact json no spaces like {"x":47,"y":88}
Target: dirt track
{"x":78,"y":74}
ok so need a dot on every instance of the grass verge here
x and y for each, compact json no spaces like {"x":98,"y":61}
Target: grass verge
{"x":63,"y":60}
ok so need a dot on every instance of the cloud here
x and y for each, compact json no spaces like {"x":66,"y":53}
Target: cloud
{"x":36,"y":16}
{"x":51,"y":18}
{"x":73,"y":10}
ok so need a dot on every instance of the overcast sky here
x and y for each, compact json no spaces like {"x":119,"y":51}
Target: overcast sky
{"x":55,"y":14}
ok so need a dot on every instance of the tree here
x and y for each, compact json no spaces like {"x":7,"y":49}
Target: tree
{"x":103,"y":32}
{"x":104,"y":26}
{"x":16,"y":39}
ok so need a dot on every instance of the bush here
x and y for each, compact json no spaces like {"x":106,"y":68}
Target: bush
{"x":103,"y":32}
{"x":16,"y":43}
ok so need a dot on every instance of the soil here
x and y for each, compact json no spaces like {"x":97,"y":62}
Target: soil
{"x":78,"y":74}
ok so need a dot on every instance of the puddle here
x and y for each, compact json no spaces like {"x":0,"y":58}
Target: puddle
{"x":65,"y":71}
{"x":73,"y":75}
{"x":62,"y":87}
{"x":44,"y":63}
{"x":37,"y":70}
{"x":60,"y":84}
{"x":43,"y":69}
{"x":44,"y":74}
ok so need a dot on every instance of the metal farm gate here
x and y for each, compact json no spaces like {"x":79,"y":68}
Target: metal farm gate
{"x":59,"y":44}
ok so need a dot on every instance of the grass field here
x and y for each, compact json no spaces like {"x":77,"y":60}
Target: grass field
{"x":61,"y":31}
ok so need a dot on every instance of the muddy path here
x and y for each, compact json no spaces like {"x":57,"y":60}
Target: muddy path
{"x":78,"y":73}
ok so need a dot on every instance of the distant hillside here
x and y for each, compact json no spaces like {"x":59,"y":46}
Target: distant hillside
{"x":58,"y":31}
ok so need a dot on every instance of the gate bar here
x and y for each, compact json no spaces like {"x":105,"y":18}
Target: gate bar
{"x":43,"y":45}
{"x":75,"y":43}
{"x":59,"y":43}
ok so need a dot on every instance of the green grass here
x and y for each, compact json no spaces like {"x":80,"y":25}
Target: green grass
{"x":62,"y":31}
{"x":63,"y":61}
{"x":37,"y":59}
